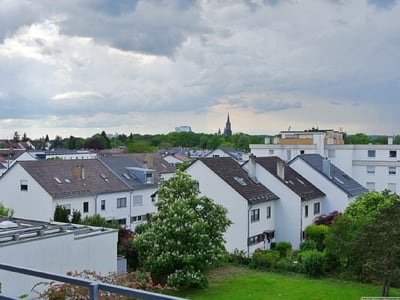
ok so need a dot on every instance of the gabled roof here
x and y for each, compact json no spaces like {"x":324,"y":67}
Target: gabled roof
{"x":152,"y":161}
{"x":123,"y":167}
{"x":233,"y":174}
{"x":333,"y":173}
{"x":293,"y":180}
{"x":73,"y":178}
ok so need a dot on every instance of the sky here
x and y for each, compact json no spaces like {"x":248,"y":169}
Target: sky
{"x":129,"y":66}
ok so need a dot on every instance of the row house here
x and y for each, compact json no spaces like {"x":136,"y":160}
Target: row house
{"x":249,"y":203}
{"x":143,"y":174}
{"x":300,"y":202}
{"x":340,"y":188}
{"x":34,"y":189}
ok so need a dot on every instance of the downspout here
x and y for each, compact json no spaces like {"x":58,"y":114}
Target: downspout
{"x":95,"y":204}
{"x":130,"y":209}
{"x":248,"y":229}
{"x":301,"y":220}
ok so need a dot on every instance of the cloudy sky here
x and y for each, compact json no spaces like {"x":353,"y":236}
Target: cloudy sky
{"x":79,"y":67}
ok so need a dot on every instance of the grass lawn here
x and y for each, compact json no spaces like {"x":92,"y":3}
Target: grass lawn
{"x":232,"y":283}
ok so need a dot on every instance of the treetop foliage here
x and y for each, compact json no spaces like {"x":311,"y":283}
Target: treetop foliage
{"x":185,"y":237}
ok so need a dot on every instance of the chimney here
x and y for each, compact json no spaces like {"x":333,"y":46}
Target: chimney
{"x":280,"y":169}
{"x":252,"y":165}
{"x":79,"y":172}
{"x":326,"y":167}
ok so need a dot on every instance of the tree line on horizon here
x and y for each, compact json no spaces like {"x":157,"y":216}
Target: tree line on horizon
{"x":141,"y":143}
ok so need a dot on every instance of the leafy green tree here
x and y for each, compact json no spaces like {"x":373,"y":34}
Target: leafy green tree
{"x":379,"y":246}
{"x":359,"y":138}
{"x":61,"y":214}
{"x":140,"y":147}
{"x":185,"y":237}
{"x":367,"y":205}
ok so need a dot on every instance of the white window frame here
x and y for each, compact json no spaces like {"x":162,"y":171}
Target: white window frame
{"x":121,"y":202}
{"x":255,"y":215}
{"x":317,"y":208}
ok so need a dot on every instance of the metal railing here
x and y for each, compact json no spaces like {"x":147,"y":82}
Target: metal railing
{"x":93,"y":286}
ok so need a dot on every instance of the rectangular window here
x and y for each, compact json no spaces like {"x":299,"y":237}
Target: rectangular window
{"x":371,"y":186}
{"x":85,"y":207}
{"x":393,"y":153}
{"x":103,"y":204}
{"x":255,"y":239}
{"x":137,"y":200}
{"x":302,"y":151}
{"x":306,"y":211}
{"x":392,"y":170}
{"x":317,"y":208}
{"x":136,"y":219}
{"x":392,"y":187}
{"x":371,"y":153}
{"x":255,"y":215}
{"x":268,"y":212}
{"x":122,"y":221}
{"x":24,"y":185}
{"x":331,"y":153}
{"x":121,"y":202}
{"x":370,"y":169}
{"x":271,"y":151}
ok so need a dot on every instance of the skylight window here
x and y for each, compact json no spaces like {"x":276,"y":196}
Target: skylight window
{"x":301,"y":181}
{"x":338,"y":180}
{"x":57,"y":180}
{"x":104,"y":177}
{"x":240,"y":180}
{"x":126,"y":176}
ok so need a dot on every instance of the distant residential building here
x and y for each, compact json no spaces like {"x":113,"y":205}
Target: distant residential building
{"x":183,"y":129}
{"x":237,"y":155}
{"x":228,"y":129}
{"x":376,"y":167}
{"x":52,"y":247}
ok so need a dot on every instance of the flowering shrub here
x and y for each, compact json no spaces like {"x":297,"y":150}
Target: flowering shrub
{"x":60,"y":291}
{"x":187,"y":278}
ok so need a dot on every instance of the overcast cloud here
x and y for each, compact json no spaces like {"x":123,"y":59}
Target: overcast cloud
{"x":80,"y":67}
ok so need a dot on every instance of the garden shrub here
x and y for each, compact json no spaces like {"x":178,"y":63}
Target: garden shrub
{"x":308,"y":245}
{"x":265,"y":259}
{"x":284,"y":248}
{"x":312,"y":262}
{"x":239,"y":257}
{"x":317,"y":233}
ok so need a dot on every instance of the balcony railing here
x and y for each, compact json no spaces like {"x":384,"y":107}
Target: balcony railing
{"x":93,"y":286}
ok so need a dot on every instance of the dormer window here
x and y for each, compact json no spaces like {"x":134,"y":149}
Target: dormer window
{"x":149,"y":177}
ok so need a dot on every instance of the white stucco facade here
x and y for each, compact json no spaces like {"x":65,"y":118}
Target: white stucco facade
{"x":57,"y":253}
{"x":373,"y":172}
{"x":239,"y":210}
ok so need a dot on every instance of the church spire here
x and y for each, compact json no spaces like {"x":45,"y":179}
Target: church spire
{"x":228,"y":130}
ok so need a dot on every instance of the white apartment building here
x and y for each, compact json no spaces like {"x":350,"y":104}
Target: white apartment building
{"x":376,"y":167}
{"x":52,"y":247}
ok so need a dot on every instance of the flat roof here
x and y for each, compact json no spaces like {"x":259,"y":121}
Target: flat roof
{"x":17,"y":230}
